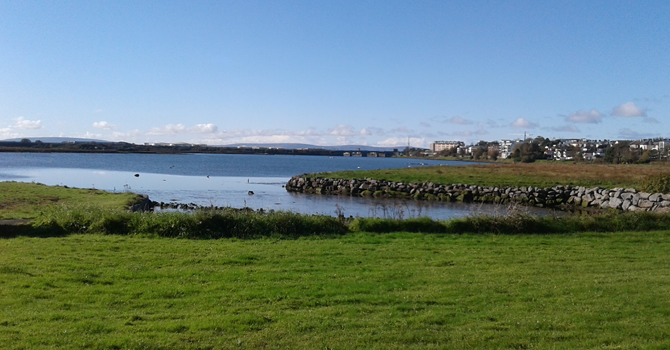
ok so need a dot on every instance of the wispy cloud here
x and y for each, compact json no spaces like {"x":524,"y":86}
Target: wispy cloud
{"x":104,"y":125}
{"x":342,"y":130}
{"x":402,"y":142}
{"x":522,"y":123}
{"x":650,"y":121}
{"x":204,"y":129}
{"x":628,"y":109}
{"x":458,"y":120}
{"x":169,"y":129}
{"x":565,"y":128}
{"x":629,"y":134}
{"x":590,"y":117}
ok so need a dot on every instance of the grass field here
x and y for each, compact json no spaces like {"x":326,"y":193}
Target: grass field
{"x":25,"y":200}
{"x":391,"y":291}
{"x":533,"y":174}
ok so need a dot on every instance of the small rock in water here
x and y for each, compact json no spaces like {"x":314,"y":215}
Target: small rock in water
{"x":251,"y":192}
{"x":137,"y":175}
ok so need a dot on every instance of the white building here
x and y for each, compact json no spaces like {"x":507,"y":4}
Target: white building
{"x":438,"y":146}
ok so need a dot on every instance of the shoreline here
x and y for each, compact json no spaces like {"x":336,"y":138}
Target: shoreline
{"x":557,"y":197}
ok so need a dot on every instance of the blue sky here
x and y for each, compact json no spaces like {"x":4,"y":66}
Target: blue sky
{"x":335,"y":72}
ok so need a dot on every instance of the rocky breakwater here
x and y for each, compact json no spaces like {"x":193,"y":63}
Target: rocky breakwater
{"x":626,"y":199}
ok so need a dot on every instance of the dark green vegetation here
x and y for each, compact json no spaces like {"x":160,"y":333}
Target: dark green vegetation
{"x":60,"y":220}
{"x":25,"y":200}
{"x":391,"y":291}
{"x":534,"y":174}
{"x":657,"y":183}
{"x":242,"y":224}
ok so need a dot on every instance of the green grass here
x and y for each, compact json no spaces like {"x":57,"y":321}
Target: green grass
{"x":20,"y":200}
{"x":535,"y":174}
{"x":392,"y":291}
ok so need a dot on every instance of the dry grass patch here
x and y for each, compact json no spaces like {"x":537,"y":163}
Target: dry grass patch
{"x":535,"y":174}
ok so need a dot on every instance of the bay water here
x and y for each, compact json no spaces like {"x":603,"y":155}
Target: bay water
{"x":226,"y":180}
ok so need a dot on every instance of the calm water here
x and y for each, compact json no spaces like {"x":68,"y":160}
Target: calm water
{"x":225,"y":180}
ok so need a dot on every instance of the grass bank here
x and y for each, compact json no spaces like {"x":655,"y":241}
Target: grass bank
{"x":534,"y":174}
{"x":392,"y":291}
{"x":20,"y":200}
{"x":231,"y":223}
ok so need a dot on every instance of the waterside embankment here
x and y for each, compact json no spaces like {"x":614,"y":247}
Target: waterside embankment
{"x":625,"y":199}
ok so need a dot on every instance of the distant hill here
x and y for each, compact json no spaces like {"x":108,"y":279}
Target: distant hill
{"x":235,"y":145}
{"x":56,"y":139}
{"x":304,"y":145}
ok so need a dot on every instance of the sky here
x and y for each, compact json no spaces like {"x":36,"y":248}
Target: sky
{"x":334,"y":72}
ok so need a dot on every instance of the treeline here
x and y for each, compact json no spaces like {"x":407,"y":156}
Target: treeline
{"x":123,"y":147}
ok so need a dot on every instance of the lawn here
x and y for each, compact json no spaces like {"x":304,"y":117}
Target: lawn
{"x":20,"y":200}
{"x":533,"y":174}
{"x":360,"y":290}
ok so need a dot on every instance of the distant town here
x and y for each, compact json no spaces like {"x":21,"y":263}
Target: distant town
{"x":519,"y":150}
{"x":532,"y":149}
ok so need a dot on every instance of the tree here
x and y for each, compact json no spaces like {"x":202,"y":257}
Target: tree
{"x":618,"y":153}
{"x":25,"y":141}
{"x":479,"y":152}
{"x":493,"y":153}
{"x":645,"y":157}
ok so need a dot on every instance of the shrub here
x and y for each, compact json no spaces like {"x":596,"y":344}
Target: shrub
{"x":202,"y":224}
{"x":656,"y":183}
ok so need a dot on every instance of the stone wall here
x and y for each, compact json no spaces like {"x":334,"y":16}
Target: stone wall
{"x":626,"y":199}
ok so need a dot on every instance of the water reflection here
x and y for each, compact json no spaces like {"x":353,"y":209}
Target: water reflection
{"x":231,"y":191}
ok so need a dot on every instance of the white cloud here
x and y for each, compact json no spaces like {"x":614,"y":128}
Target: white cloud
{"x":204,"y":129}
{"x":23,"y":123}
{"x":628,"y":109}
{"x":104,"y":125}
{"x":425,"y":125}
{"x":342,"y":130}
{"x":366,"y":132}
{"x":523,"y":123}
{"x":592,"y":117}
{"x":169,"y":129}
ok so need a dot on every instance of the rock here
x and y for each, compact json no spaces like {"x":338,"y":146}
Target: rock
{"x":615,"y":202}
{"x":588,"y":198}
{"x":643,"y":203}
{"x":625,"y":205}
{"x":656,"y":197}
{"x":626,"y":196}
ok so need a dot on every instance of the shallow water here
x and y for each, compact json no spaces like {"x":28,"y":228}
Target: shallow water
{"x":225,"y":180}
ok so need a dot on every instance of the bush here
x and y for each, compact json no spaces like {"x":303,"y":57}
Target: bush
{"x":242,"y":224}
{"x":202,"y":224}
{"x":656,"y":183}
